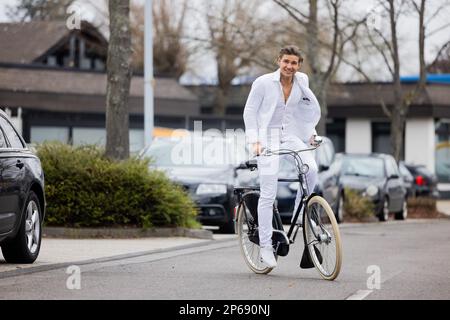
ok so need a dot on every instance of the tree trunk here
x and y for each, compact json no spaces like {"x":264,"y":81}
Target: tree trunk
{"x":397,"y":132}
{"x":119,"y":78}
{"x":319,"y":86}
{"x":398,"y":116}
{"x":317,"y":82}
{"x":322,"y":98}
{"x":221,"y":101}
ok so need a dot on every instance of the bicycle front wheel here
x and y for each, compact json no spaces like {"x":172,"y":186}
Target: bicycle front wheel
{"x":322,"y":238}
{"x":247,"y":230}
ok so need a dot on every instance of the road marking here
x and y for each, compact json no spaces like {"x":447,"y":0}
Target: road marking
{"x":360,"y":295}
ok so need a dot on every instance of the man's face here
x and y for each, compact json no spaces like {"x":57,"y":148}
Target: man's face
{"x":289,"y":65}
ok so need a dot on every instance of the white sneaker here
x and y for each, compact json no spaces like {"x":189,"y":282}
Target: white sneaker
{"x":267,"y":257}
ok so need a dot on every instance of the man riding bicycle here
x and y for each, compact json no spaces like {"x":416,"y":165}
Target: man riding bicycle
{"x":281,"y":113}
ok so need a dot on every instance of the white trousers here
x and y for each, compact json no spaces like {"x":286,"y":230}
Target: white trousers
{"x":268,"y":168}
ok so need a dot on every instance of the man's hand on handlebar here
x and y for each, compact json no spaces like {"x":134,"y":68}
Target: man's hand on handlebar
{"x":315,"y":140}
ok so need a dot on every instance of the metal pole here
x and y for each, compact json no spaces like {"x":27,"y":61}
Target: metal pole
{"x":148,"y":75}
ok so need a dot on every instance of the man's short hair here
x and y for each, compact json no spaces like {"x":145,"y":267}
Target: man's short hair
{"x":292,"y":51}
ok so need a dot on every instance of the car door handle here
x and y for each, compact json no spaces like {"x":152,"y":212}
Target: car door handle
{"x":19,"y":164}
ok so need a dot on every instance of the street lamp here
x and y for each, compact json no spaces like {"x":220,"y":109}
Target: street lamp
{"x":148,"y":75}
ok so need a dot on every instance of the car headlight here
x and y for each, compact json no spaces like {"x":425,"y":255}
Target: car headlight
{"x":211,"y":189}
{"x":372,"y":190}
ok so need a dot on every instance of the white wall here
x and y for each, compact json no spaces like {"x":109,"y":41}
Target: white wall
{"x":420,"y":142}
{"x":358,"y":136}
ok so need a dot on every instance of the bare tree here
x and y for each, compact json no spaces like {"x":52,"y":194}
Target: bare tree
{"x":387,"y":46}
{"x":119,"y":78}
{"x":441,"y":63}
{"x":170,"y":52}
{"x":325,"y":39}
{"x":39,"y":10}
{"x":236,"y":36}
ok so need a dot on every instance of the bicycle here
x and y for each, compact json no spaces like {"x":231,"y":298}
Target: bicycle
{"x":320,"y":232}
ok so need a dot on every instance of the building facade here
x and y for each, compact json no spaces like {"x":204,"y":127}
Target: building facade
{"x":53,"y":85}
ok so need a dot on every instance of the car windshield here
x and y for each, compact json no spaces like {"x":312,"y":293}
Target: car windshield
{"x":363,"y":166}
{"x":404,"y":171}
{"x":187,"y":152}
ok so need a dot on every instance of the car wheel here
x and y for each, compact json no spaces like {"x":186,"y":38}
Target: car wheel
{"x":384,"y":213}
{"x":340,"y":209}
{"x":24,"y":248}
{"x":403,"y":214}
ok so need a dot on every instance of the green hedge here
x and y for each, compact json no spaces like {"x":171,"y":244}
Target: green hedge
{"x":357,"y":207}
{"x":85,"y":189}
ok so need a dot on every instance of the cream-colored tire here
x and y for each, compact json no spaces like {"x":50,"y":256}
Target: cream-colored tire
{"x":329,"y":246}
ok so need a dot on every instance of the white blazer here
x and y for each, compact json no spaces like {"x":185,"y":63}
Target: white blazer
{"x":262,"y":101}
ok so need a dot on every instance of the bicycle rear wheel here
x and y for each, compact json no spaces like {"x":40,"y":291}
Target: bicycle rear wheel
{"x":322,"y":238}
{"x":247,"y":230}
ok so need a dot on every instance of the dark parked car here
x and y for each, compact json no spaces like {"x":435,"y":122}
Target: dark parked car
{"x":22,"y":200}
{"x":209,"y":179}
{"x":408,"y":179}
{"x":375,"y":176}
{"x":287,"y":191}
{"x":425,"y":182}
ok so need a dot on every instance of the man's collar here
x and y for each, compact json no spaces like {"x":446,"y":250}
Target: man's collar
{"x":277,"y":75}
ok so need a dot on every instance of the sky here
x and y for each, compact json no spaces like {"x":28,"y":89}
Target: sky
{"x":205,"y":66}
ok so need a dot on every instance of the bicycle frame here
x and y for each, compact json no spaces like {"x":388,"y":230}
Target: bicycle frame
{"x":306,"y":196}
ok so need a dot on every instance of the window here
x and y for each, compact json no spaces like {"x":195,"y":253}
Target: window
{"x":136,"y":140}
{"x":363,"y":166}
{"x":83,"y":136}
{"x":11,"y":134}
{"x":42,"y":134}
{"x":381,"y":132}
{"x":336,"y":133}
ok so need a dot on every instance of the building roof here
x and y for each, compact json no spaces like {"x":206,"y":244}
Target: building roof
{"x":24,"y":43}
{"x":431,"y":78}
{"x":70,"y":91}
{"x":349,"y":99}
{"x":20,"y":79}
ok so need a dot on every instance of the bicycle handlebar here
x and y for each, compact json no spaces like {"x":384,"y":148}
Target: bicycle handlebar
{"x":267,"y":152}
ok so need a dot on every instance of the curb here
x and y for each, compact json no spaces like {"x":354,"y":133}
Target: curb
{"x":124,"y":233}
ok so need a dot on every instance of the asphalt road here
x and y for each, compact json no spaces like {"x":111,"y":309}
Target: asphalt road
{"x":412,"y":259}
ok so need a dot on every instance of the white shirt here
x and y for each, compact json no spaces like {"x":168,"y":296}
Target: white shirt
{"x":283,"y":117}
{"x":263,"y":100}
